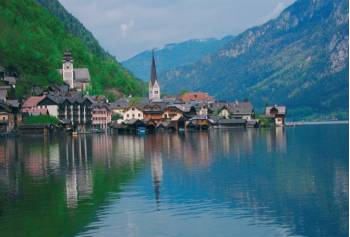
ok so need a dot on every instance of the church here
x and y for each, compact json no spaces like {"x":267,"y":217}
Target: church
{"x":77,"y":78}
{"x":153,"y":86}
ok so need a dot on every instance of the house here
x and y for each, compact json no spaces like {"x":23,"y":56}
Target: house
{"x":133,"y":112}
{"x":278,"y":113}
{"x":237,"y":110}
{"x":51,"y":103}
{"x":101,"y":115}
{"x":119,"y":106}
{"x":176,"y":111}
{"x":31,"y":106}
{"x":76,"y":78}
{"x":224,"y":112}
{"x":154,"y":111}
{"x":78,"y":110}
{"x":153,"y":85}
{"x":196,"y":96}
{"x":242,"y":110}
{"x":199,"y":122}
{"x":10,"y":116}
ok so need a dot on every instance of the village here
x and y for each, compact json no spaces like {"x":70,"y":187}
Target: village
{"x":69,"y":108}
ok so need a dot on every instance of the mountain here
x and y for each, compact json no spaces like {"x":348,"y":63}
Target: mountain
{"x":299,"y":59}
{"x":174,"y":55}
{"x":33,"y":39}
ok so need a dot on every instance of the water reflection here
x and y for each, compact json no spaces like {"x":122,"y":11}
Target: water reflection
{"x":291,"y":182}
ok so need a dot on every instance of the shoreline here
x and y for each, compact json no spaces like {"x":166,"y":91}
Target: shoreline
{"x":302,"y":123}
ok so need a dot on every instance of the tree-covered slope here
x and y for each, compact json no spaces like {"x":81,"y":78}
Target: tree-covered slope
{"x":299,"y":59}
{"x":173,"y":55}
{"x":32,"y":42}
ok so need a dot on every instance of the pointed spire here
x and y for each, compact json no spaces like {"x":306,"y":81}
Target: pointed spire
{"x":153,"y":70}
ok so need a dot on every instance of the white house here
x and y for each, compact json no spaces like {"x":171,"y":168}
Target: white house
{"x":133,"y":112}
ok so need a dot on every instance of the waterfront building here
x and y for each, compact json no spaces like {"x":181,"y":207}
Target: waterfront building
{"x":154,"y":111}
{"x":237,"y":110}
{"x":76,"y":78}
{"x":10,"y":116}
{"x":278,"y":113}
{"x":101,"y":115}
{"x":31,"y":106}
{"x":153,"y":86}
{"x":51,"y":104}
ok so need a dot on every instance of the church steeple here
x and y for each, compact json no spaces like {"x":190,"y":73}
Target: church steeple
{"x":154,"y":89}
{"x":153,"y":70}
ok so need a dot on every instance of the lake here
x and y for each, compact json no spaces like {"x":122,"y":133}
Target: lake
{"x":238,"y":182}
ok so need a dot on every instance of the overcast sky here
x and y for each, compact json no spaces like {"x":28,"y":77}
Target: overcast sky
{"x":127,"y":27}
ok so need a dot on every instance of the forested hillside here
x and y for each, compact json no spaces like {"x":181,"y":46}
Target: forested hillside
{"x":32,"y":42}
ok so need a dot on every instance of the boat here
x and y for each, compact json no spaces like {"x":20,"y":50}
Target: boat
{"x":141,"y":130}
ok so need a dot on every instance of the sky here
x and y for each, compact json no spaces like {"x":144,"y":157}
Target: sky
{"x":127,"y":27}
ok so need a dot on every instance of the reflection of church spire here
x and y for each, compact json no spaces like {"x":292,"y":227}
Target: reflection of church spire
{"x":157,"y":175}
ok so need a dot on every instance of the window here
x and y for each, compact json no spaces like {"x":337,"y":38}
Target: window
{"x":127,"y":115}
{"x":139,"y":115}
{"x":156,"y":92}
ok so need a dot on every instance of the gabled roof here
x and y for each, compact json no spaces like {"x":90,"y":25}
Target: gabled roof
{"x":238,"y":108}
{"x":82,"y":74}
{"x":32,"y":101}
{"x":281,"y":110}
{"x":10,"y":80}
{"x":79,"y":74}
{"x":121,"y":103}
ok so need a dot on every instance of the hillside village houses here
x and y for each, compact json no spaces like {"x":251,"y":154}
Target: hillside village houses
{"x":190,"y":110}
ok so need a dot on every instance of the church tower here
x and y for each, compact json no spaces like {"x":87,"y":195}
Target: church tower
{"x":153,"y":87}
{"x":67,"y":69}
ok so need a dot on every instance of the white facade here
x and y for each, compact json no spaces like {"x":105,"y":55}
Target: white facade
{"x":224,"y":113}
{"x":53,"y":110}
{"x":133,"y":113}
{"x":68,"y":73}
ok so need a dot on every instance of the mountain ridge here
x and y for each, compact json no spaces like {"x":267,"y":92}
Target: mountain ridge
{"x":298,"y":59}
{"x":173,"y":55}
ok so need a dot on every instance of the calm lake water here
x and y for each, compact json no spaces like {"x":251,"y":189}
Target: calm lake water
{"x":274,"y":182}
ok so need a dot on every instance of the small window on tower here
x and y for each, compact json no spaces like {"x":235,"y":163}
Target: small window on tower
{"x":156,"y":92}
{"x":67,"y":67}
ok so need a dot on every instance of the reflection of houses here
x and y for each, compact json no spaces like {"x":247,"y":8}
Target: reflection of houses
{"x":79,"y":183}
{"x":278,"y":113}
{"x":157,"y":175}
{"x":276,"y":139}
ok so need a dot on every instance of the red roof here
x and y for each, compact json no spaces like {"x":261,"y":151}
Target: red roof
{"x":32,"y":101}
{"x":195,"y":96}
